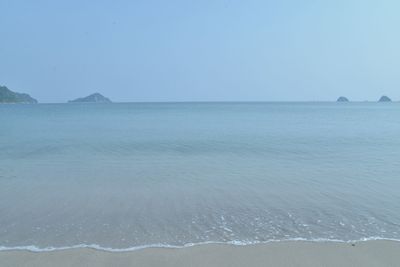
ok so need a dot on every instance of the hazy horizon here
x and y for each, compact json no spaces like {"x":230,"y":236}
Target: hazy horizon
{"x":155,"y":51}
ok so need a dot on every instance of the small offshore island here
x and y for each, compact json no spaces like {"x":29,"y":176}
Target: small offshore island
{"x":385,"y":99}
{"x":342,"y":99}
{"x":9,"y":97}
{"x":93,"y":98}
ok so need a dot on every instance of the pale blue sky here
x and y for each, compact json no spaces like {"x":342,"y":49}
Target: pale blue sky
{"x":210,"y":50}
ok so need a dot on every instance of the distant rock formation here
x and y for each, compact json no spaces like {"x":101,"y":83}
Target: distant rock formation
{"x":342,"y":99}
{"x":93,"y":98}
{"x":385,"y":99}
{"x":8,"y":96}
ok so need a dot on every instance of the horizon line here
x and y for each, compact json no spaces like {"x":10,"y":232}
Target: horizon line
{"x":221,"y":101}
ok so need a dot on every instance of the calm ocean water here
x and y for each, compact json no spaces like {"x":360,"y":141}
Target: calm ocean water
{"x":132,"y":175}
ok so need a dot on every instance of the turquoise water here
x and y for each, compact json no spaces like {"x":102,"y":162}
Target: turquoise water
{"x":123,"y":176}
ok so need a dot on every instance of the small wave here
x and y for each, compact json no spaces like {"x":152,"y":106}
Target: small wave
{"x":234,"y":243}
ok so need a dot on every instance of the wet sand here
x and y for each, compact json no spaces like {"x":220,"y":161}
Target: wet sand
{"x":293,"y":253}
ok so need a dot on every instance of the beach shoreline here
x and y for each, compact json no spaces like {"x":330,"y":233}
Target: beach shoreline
{"x":284,"y":253}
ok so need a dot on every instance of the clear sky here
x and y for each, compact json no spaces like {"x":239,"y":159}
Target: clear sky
{"x":209,"y":50}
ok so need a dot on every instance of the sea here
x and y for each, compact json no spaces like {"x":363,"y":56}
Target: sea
{"x":125,"y":176}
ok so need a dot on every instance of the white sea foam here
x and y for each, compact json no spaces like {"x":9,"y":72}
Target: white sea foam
{"x":32,"y":248}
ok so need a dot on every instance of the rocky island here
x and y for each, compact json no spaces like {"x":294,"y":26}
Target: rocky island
{"x":93,"y":98}
{"x":385,"y":99}
{"x":342,"y":99}
{"x":8,"y":96}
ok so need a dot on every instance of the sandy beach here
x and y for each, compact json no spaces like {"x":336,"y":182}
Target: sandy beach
{"x":370,"y":253}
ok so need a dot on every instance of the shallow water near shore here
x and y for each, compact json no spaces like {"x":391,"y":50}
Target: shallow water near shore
{"x":123,"y":176}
